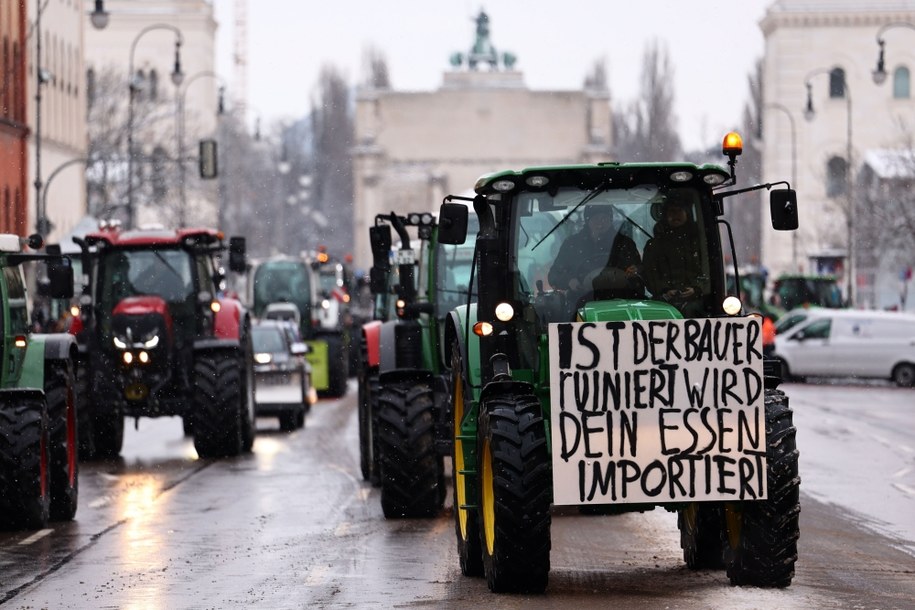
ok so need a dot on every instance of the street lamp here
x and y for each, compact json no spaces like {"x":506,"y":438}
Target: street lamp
{"x":809,"y":114}
{"x":787,"y":113}
{"x":879,"y":73}
{"x":99,"y":20}
{"x":177,"y":78}
{"x":182,"y":98}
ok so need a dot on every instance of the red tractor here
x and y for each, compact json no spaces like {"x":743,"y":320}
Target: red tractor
{"x":157,"y":338}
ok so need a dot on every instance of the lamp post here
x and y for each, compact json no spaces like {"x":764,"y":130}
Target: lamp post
{"x":99,"y":19}
{"x":182,"y":98}
{"x":177,"y":78}
{"x":809,"y":114}
{"x":879,"y":74}
{"x":787,"y":113}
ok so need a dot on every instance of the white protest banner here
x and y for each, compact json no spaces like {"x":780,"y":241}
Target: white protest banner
{"x":657,"y":411}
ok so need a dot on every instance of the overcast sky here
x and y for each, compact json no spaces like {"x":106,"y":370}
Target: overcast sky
{"x":713,"y":45}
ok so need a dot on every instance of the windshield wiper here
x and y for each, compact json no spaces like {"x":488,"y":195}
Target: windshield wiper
{"x":600,"y":188}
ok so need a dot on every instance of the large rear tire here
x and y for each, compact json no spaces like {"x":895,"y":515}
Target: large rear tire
{"x":700,"y":526}
{"x":62,"y":421}
{"x":248,"y":417}
{"x":337,"y":367}
{"x":217,"y":405}
{"x":107,"y":434}
{"x":515,"y":494}
{"x":466,"y":518}
{"x":761,"y":536}
{"x":368,"y":437}
{"x":25,"y":495}
{"x":412,"y":473}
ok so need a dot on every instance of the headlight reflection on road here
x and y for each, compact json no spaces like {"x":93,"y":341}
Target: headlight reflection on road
{"x":143,"y":509}
{"x":267,"y":450}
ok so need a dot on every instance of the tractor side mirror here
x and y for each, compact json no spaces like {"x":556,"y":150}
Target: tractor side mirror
{"x":60,"y":278}
{"x":380,"y":238}
{"x":783,"y":208}
{"x":237,"y":260}
{"x":452,"y":223}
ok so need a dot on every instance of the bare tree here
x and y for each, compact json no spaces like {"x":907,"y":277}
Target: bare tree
{"x":375,"y":65}
{"x":154,"y":142}
{"x":333,"y":133}
{"x":646,"y":130}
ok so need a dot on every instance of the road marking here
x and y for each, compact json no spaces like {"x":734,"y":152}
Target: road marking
{"x":342,"y":529}
{"x":902,"y":472}
{"x":317,"y":576}
{"x":36,"y":536}
{"x":100,"y":502}
{"x":905,"y":489}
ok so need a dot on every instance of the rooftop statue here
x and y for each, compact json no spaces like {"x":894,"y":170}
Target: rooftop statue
{"x":483,"y":50}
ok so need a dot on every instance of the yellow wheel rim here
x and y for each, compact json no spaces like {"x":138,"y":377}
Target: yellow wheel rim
{"x":488,"y":499}
{"x":733,"y":519}
{"x":689,"y":518}
{"x":459,"y":478}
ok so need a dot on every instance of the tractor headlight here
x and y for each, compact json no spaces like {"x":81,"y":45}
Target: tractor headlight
{"x":127,"y":357}
{"x":325,"y":304}
{"x":151,"y":342}
{"x":143,"y":357}
{"x":505,"y":312}
{"x":119,"y":343}
{"x":263,"y":358}
{"x":731,"y":306}
{"x":482,"y":329}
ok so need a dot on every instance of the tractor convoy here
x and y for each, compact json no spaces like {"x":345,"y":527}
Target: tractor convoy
{"x":39,"y":471}
{"x":586,"y":379}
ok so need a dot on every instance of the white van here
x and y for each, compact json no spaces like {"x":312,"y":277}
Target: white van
{"x":850,"y":343}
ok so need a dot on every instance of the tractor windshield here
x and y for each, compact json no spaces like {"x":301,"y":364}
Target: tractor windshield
{"x":166,"y":273}
{"x":633,"y":243}
{"x":282,"y":282}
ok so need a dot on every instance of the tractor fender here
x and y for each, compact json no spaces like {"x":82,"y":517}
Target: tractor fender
{"x":469,"y":344}
{"x":59,"y":346}
{"x":227,"y":322}
{"x":216,"y":344}
{"x":501,"y":388}
{"x":371,"y":335}
{"x":398,"y":375}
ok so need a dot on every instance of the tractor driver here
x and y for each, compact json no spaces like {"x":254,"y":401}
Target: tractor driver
{"x":673,"y":256}
{"x":598,"y":258}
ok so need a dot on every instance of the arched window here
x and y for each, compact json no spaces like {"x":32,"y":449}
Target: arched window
{"x":901,"y":83}
{"x":835,"y":177}
{"x":837,"y":83}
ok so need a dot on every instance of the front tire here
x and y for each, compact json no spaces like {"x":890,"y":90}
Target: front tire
{"x":761,"y":536}
{"x":25,"y":496}
{"x":368,"y":390}
{"x":107,"y":434}
{"x":62,"y":417}
{"x":217,"y":405}
{"x":515,"y":494}
{"x":700,"y":525}
{"x":412,"y":474}
{"x":904,"y":375}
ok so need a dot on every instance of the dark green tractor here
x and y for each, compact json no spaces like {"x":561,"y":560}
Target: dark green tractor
{"x":404,"y":420}
{"x":615,"y":391}
{"x":39,"y":470}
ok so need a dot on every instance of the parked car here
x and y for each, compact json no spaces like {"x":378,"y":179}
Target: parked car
{"x":282,"y":376}
{"x":849,"y":343}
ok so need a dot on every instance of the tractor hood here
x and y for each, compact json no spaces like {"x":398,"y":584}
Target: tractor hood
{"x":618,"y":310}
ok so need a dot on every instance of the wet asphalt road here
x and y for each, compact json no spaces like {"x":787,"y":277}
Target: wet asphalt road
{"x":293,"y":526}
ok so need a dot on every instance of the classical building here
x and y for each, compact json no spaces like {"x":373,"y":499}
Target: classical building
{"x":824,"y":116}
{"x":415,"y":147}
{"x":13,"y":127}
{"x":146,"y":32}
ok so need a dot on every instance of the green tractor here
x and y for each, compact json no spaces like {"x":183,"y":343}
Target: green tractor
{"x":404,"y":420}
{"x":39,"y":471}
{"x":281,"y":281}
{"x":797,"y":290}
{"x":612,"y":390}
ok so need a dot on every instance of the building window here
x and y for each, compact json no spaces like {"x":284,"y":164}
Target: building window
{"x":835,"y":177}
{"x":901,"y":83}
{"x":837,"y":83}
{"x":153,"y":85}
